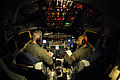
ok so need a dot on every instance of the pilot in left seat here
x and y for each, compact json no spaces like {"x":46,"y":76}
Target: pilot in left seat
{"x":34,"y":48}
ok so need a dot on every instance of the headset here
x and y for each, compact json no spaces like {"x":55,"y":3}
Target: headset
{"x":85,"y":39}
{"x":38,"y":40}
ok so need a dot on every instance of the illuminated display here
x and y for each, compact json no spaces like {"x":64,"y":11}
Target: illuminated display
{"x":69,"y":40}
{"x":68,"y":44}
{"x":61,"y":47}
{"x":67,"y":23}
{"x":52,"y":47}
{"x":44,"y":41}
{"x":44,"y":45}
{"x":57,"y":47}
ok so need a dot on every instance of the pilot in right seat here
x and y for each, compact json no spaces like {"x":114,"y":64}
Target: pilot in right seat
{"x":34,"y":48}
{"x":83,"y":51}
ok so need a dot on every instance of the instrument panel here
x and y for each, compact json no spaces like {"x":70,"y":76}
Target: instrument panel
{"x":58,"y":41}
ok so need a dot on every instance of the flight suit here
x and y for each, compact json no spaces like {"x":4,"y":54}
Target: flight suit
{"x":38,"y":53}
{"x":78,"y":54}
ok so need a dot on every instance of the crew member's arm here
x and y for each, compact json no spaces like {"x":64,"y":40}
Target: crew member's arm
{"x":39,"y":53}
{"x":47,"y":53}
{"x":67,"y":59}
{"x":70,"y":59}
{"x":81,"y":53}
{"x":47,"y":58}
{"x":75,"y":55}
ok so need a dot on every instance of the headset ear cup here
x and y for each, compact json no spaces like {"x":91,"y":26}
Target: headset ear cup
{"x":38,"y":40}
{"x":86,"y":39}
{"x":83,"y":41}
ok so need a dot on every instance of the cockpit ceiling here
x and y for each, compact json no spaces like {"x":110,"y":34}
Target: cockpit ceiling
{"x":58,"y":14}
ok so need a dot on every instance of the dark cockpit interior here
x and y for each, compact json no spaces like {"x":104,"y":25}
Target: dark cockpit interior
{"x":61,"y":22}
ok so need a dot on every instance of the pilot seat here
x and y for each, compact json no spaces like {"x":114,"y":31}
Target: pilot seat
{"x":30,"y":67}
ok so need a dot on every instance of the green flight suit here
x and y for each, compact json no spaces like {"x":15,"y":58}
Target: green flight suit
{"x":39,"y":53}
{"x":78,"y":54}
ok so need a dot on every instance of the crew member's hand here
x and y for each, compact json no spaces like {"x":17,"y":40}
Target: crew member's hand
{"x":81,"y":65}
{"x":49,"y":53}
{"x":73,"y":58}
{"x":85,"y":62}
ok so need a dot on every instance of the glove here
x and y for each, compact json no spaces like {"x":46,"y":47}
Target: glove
{"x":81,"y":65}
{"x":85,"y":62}
{"x":69,"y":52}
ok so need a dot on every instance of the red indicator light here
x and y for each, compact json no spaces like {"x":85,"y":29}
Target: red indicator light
{"x":79,"y":5}
{"x":71,"y":18}
{"x":50,"y":8}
